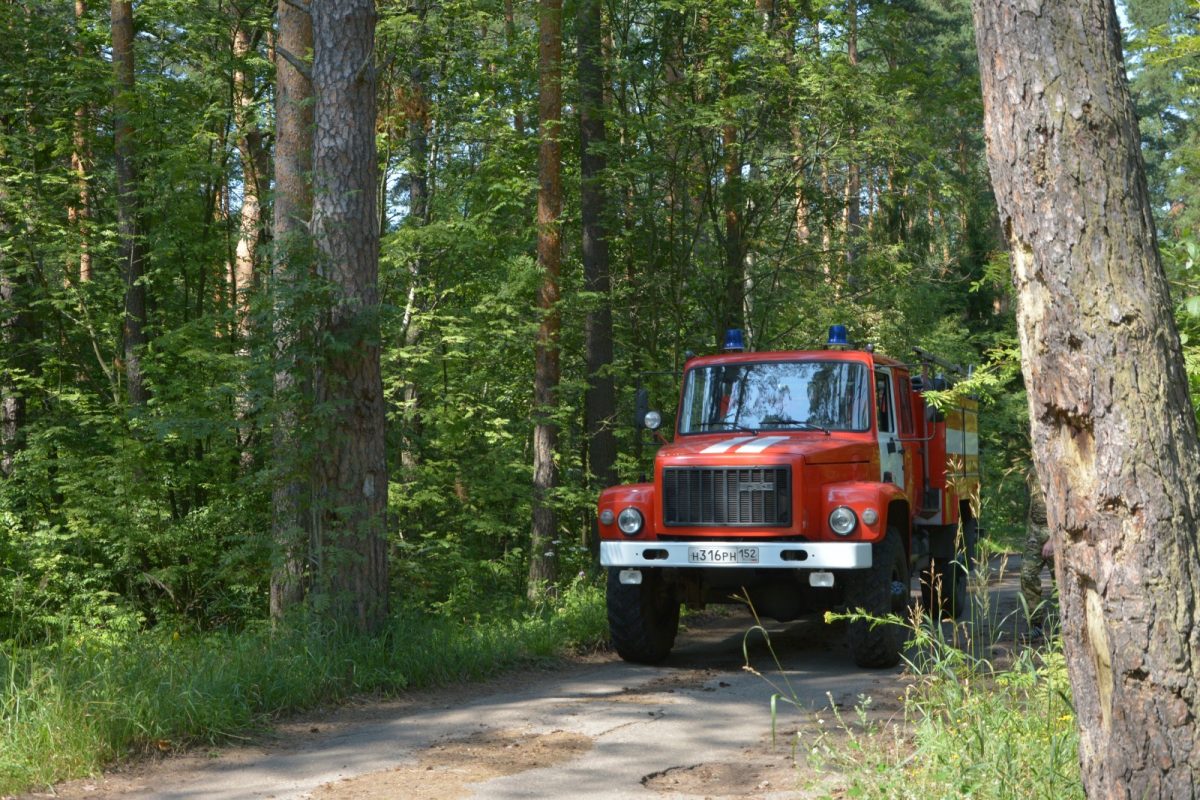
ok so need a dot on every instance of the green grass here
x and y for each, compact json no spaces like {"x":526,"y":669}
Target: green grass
{"x":970,"y":728}
{"x":69,"y":709}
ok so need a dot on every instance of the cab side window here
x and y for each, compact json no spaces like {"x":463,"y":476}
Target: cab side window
{"x":883,"y":403}
{"x":906,"y":414}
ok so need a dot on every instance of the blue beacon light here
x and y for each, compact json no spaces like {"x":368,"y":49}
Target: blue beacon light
{"x":838,"y":336}
{"x":733,"y":341}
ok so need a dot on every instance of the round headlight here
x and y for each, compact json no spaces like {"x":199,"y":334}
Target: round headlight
{"x":606,"y":517}
{"x":652,"y":420}
{"x":870,"y":516}
{"x":843,"y":520}
{"x":629,"y":521}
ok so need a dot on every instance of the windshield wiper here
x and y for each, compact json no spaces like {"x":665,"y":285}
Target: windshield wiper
{"x":730,"y":426}
{"x":778,"y":422}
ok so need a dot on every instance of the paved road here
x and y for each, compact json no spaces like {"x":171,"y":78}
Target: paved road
{"x":698,"y":725}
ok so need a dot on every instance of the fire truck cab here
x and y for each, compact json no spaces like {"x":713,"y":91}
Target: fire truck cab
{"x":805,"y":481}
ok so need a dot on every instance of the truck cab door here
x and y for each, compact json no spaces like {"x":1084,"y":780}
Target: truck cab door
{"x":891,"y":451}
{"x":915,"y":469}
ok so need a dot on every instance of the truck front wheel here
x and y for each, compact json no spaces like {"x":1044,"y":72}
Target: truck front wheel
{"x":881,"y":590}
{"x":642,"y":618}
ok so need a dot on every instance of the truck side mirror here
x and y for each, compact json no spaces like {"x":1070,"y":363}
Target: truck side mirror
{"x":641,"y":405}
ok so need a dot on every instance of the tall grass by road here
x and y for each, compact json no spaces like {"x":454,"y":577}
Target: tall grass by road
{"x":974,"y":725}
{"x":68,"y":709}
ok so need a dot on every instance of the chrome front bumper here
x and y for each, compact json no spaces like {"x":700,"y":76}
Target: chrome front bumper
{"x":771,"y":555}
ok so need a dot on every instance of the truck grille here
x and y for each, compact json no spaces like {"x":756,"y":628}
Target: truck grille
{"x":727,"y":496}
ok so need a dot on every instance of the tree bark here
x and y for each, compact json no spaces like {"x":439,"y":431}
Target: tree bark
{"x":853,"y":211}
{"x":416,"y":113}
{"x":129,"y":243}
{"x":600,"y":398}
{"x":351,"y":479}
{"x":290,"y":499}
{"x":256,"y":166}
{"x":733,"y":307}
{"x":79,"y":213}
{"x":1113,"y":428}
{"x":543,"y":554}
{"x":510,"y":39}
{"x":12,"y":402}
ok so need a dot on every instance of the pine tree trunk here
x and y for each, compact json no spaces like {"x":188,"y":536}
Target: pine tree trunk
{"x":350,"y":476}
{"x":543,"y":553}
{"x":1113,"y":428}
{"x":129,"y":244}
{"x":600,"y":399}
{"x":291,"y":523}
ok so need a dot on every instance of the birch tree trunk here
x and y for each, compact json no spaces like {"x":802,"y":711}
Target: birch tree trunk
{"x":1113,"y":429}
{"x":12,"y":402}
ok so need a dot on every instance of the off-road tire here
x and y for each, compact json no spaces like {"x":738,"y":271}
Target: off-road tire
{"x":944,"y":588}
{"x":944,"y":581}
{"x":883,"y":589}
{"x":642,"y":618}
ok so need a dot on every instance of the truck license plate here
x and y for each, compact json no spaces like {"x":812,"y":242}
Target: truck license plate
{"x":723,"y":555}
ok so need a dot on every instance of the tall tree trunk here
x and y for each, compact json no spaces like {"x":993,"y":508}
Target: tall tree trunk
{"x":1113,"y":429}
{"x":600,"y":402}
{"x":12,"y":403}
{"x":543,"y":554}
{"x":256,"y":168}
{"x":733,"y":309}
{"x":351,"y":479}
{"x":291,"y":522}
{"x":853,"y":181}
{"x":510,"y":39}
{"x":416,"y":113}
{"x":79,"y":213}
{"x":129,"y":244}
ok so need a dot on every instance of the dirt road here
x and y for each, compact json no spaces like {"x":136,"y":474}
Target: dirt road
{"x":698,"y":725}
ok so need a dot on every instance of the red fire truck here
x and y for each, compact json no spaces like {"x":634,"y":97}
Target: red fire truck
{"x":805,"y":481}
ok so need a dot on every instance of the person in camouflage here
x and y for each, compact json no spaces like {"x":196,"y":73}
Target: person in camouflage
{"x":1037,"y":554}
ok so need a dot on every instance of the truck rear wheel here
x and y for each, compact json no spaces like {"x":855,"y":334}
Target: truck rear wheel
{"x":944,"y":588}
{"x":881,"y":590}
{"x":944,"y":581}
{"x":642,"y":618}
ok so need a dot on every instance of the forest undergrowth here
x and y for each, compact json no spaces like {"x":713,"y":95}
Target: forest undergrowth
{"x":71,"y":707}
{"x":986,"y":714}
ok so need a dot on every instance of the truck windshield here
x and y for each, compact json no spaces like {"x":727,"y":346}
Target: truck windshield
{"x":778,"y":395}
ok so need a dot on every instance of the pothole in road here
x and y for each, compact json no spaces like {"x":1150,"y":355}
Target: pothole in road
{"x":445,"y":770}
{"x":724,"y":779}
